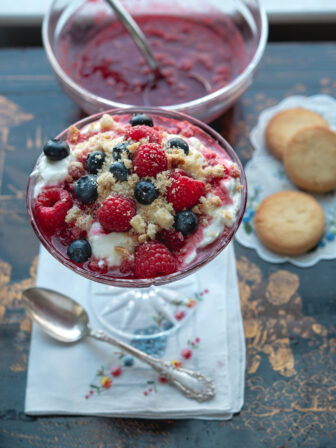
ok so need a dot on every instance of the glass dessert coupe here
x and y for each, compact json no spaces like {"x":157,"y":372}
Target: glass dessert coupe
{"x":147,"y":309}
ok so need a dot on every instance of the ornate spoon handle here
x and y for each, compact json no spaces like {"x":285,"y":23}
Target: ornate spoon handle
{"x":193,"y":385}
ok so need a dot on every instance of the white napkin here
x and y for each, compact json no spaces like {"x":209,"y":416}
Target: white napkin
{"x":63,"y":379}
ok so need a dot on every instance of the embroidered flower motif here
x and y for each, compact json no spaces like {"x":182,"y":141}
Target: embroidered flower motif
{"x":251,"y":207}
{"x":128,"y":361}
{"x":330,"y":233}
{"x":176,"y":363}
{"x":191,"y":303}
{"x":179,"y":315}
{"x":106,"y":382}
{"x":116,"y":371}
{"x":150,"y":389}
{"x":104,"y":379}
{"x":186,"y":353}
{"x":152,"y":345}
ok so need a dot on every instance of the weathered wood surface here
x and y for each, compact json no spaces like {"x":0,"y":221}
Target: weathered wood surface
{"x":289,"y":313}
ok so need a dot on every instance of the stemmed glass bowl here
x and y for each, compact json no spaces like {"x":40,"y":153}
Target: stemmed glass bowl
{"x":123,"y":305}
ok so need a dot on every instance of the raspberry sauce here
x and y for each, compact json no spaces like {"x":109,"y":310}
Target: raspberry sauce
{"x":196,"y":56}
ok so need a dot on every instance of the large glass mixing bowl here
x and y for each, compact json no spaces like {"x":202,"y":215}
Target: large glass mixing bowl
{"x":69,"y":26}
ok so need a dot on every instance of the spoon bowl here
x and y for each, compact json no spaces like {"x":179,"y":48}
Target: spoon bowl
{"x":59,"y":316}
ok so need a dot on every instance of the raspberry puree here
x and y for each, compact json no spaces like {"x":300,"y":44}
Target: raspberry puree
{"x":196,"y":56}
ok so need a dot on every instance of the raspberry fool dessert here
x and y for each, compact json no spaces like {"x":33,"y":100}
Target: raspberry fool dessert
{"x":136,"y":196}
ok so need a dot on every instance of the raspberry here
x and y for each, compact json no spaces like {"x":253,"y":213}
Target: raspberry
{"x":70,"y":234}
{"x":178,"y":172}
{"x":99,"y":266}
{"x":184,"y":192}
{"x":51,"y":207}
{"x":115,"y":213}
{"x":76,"y":171}
{"x":83,"y":156}
{"x":127,"y":265}
{"x":172,"y":239}
{"x":234,"y":171}
{"x":149,"y":160}
{"x":136,"y":133}
{"x":153,"y":259}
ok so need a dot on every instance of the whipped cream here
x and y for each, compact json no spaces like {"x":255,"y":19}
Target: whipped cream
{"x":50,"y":173}
{"x":223,"y":216}
{"x":105,"y":245}
{"x":220,"y":217}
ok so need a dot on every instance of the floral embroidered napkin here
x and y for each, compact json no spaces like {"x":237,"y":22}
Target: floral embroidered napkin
{"x":93,"y":378}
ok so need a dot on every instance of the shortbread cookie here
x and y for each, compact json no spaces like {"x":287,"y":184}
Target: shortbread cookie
{"x":285,"y":124}
{"x":289,"y":222}
{"x":310,"y":159}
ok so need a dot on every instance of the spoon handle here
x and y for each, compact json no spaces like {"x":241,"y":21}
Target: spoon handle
{"x":135,"y":32}
{"x":192,"y":384}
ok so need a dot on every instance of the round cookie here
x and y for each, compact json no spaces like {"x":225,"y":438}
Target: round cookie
{"x":310,"y":159}
{"x":289,"y":222}
{"x":281,"y":128}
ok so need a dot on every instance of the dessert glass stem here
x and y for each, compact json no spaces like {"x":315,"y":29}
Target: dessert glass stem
{"x":192,"y":384}
{"x":143,"y":313}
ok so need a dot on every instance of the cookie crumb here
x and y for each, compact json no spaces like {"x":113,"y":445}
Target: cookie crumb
{"x":72,"y":214}
{"x":84,"y":222}
{"x":164,"y":218}
{"x":73,"y":134}
{"x":106,"y":122}
{"x":162,"y":181}
{"x":138,"y":224}
{"x":105,"y":184}
{"x":214,"y":171}
{"x":152,"y":230}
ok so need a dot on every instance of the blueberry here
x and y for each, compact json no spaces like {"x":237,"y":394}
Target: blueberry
{"x":186,"y":222}
{"x":143,"y":119}
{"x":56,"y":149}
{"x":128,"y":361}
{"x":119,"y":149}
{"x":95,"y":161}
{"x":119,"y":171}
{"x":145,"y":192}
{"x":177,"y":142}
{"x":79,"y":251}
{"x":86,"y":189}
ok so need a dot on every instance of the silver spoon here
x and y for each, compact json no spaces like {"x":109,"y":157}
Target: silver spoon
{"x":141,"y":41}
{"x":136,"y":34}
{"x":67,"y":321}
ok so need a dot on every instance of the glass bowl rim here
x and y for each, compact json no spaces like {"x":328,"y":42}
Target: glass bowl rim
{"x":232,"y":86}
{"x":145,"y":282}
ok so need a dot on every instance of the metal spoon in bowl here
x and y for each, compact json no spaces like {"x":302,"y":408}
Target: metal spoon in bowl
{"x":67,"y":321}
{"x":141,"y":41}
{"x":136,"y":34}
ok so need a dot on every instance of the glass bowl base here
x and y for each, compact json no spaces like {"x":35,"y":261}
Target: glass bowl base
{"x":137,"y":313}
